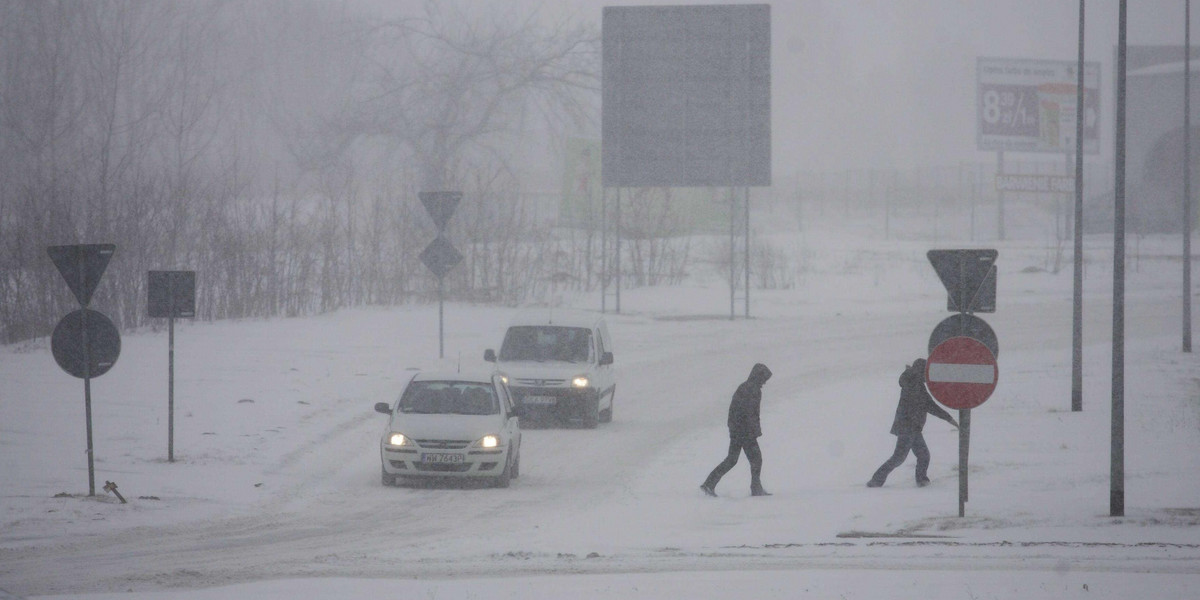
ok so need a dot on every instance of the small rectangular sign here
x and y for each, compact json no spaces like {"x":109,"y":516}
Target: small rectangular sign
{"x":171,"y":294}
{"x":1035,"y":183}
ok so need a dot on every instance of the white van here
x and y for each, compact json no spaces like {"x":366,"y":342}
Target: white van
{"x":559,"y":364}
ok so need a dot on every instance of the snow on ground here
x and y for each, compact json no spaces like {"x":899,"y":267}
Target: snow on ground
{"x":275,"y":487}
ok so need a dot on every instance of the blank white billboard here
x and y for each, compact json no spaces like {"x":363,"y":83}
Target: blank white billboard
{"x":686,"y":96}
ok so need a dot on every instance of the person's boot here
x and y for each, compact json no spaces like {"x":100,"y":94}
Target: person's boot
{"x":709,"y":487}
{"x":756,"y":489}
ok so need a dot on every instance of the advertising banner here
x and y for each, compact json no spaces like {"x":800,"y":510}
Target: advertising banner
{"x":1027,"y":105}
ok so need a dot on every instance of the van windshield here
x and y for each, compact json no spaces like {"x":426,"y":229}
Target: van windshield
{"x":547,"y":342}
{"x":449,"y":398}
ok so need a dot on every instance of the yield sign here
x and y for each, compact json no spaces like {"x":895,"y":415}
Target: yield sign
{"x":969,"y":277}
{"x":82,"y":265}
{"x":440,"y":206}
{"x":961,"y":373}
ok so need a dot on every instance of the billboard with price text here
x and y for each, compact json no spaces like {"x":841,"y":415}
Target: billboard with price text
{"x":1028,"y":105}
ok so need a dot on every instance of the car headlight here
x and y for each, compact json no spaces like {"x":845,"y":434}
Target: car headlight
{"x":504,"y":378}
{"x":580,"y":381}
{"x":399,"y":439}
{"x":489,"y":441}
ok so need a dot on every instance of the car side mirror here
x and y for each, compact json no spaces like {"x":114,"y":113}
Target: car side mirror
{"x":383,"y":407}
{"x":606,"y":358}
{"x":489,"y":355}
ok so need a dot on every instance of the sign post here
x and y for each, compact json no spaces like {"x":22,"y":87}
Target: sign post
{"x":961,"y":372}
{"x":85,"y":343}
{"x":171,"y":294}
{"x":440,"y":255}
{"x":719,"y":58}
{"x":1031,"y":105}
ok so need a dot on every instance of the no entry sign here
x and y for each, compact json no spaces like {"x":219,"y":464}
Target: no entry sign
{"x":961,"y":373}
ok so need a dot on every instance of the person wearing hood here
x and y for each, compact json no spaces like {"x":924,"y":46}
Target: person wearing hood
{"x":744,"y":431}
{"x":914,"y":406}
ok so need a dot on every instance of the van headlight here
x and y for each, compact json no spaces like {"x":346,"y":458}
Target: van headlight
{"x":399,"y":439}
{"x":580,"y":381}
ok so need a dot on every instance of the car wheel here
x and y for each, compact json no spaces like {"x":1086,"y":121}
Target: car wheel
{"x":388,"y":479}
{"x":591,"y":412}
{"x":516,"y":468}
{"x":606,"y":414}
{"x":505,"y":476}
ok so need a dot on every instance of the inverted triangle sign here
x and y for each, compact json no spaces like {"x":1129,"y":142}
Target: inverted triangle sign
{"x":440,"y":206}
{"x":82,"y":265}
{"x":964,"y":272}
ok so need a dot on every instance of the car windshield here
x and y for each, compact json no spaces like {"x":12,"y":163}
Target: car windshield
{"x":547,"y":342}
{"x":449,"y":398}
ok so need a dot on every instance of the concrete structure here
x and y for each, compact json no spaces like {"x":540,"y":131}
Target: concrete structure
{"x":1154,"y":142}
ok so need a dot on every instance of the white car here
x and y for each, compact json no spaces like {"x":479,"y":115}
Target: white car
{"x":559,"y":364}
{"x":451,"y":425}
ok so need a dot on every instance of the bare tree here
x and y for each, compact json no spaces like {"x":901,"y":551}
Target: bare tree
{"x":447,"y":84}
{"x":275,"y":147}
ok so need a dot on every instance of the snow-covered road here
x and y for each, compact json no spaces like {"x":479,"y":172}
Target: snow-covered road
{"x":286,"y":485}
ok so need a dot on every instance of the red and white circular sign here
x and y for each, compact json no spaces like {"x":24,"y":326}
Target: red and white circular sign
{"x":961,"y":373}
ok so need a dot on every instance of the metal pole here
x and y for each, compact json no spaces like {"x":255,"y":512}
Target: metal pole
{"x":617,"y":242}
{"x":732,"y":255}
{"x":441,"y":302}
{"x":974,"y":197}
{"x":603,"y":249}
{"x":87,"y":378}
{"x":799,"y":203}
{"x":747,"y":257}
{"x":1117,"y":466}
{"x":964,"y":451}
{"x":887,"y":205}
{"x":171,"y":376}
{"x":1000,"y":198}
{"x":1187,"y":176}
{"x":87,"y":406}
{"x":1077,"y":311}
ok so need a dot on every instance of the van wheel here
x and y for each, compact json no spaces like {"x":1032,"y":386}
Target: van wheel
{"x":606,"y":414}
{"x":591,"y":412}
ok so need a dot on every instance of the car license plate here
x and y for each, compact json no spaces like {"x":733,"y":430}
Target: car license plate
{"x":441,"y":458}
{"x":540,"y":400}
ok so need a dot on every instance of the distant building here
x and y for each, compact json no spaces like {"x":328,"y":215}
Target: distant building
{"x":1154,"y":141}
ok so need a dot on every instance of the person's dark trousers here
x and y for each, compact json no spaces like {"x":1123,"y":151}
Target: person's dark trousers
{"x":914,"y":442}
{"x":736,"y":447}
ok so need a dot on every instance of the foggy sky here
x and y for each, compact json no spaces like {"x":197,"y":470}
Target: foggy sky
{"x":891,"y":83}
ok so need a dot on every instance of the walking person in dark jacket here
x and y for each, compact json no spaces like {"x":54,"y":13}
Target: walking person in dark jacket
{"x":744,"y":431}
{"x":915,"y":404}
